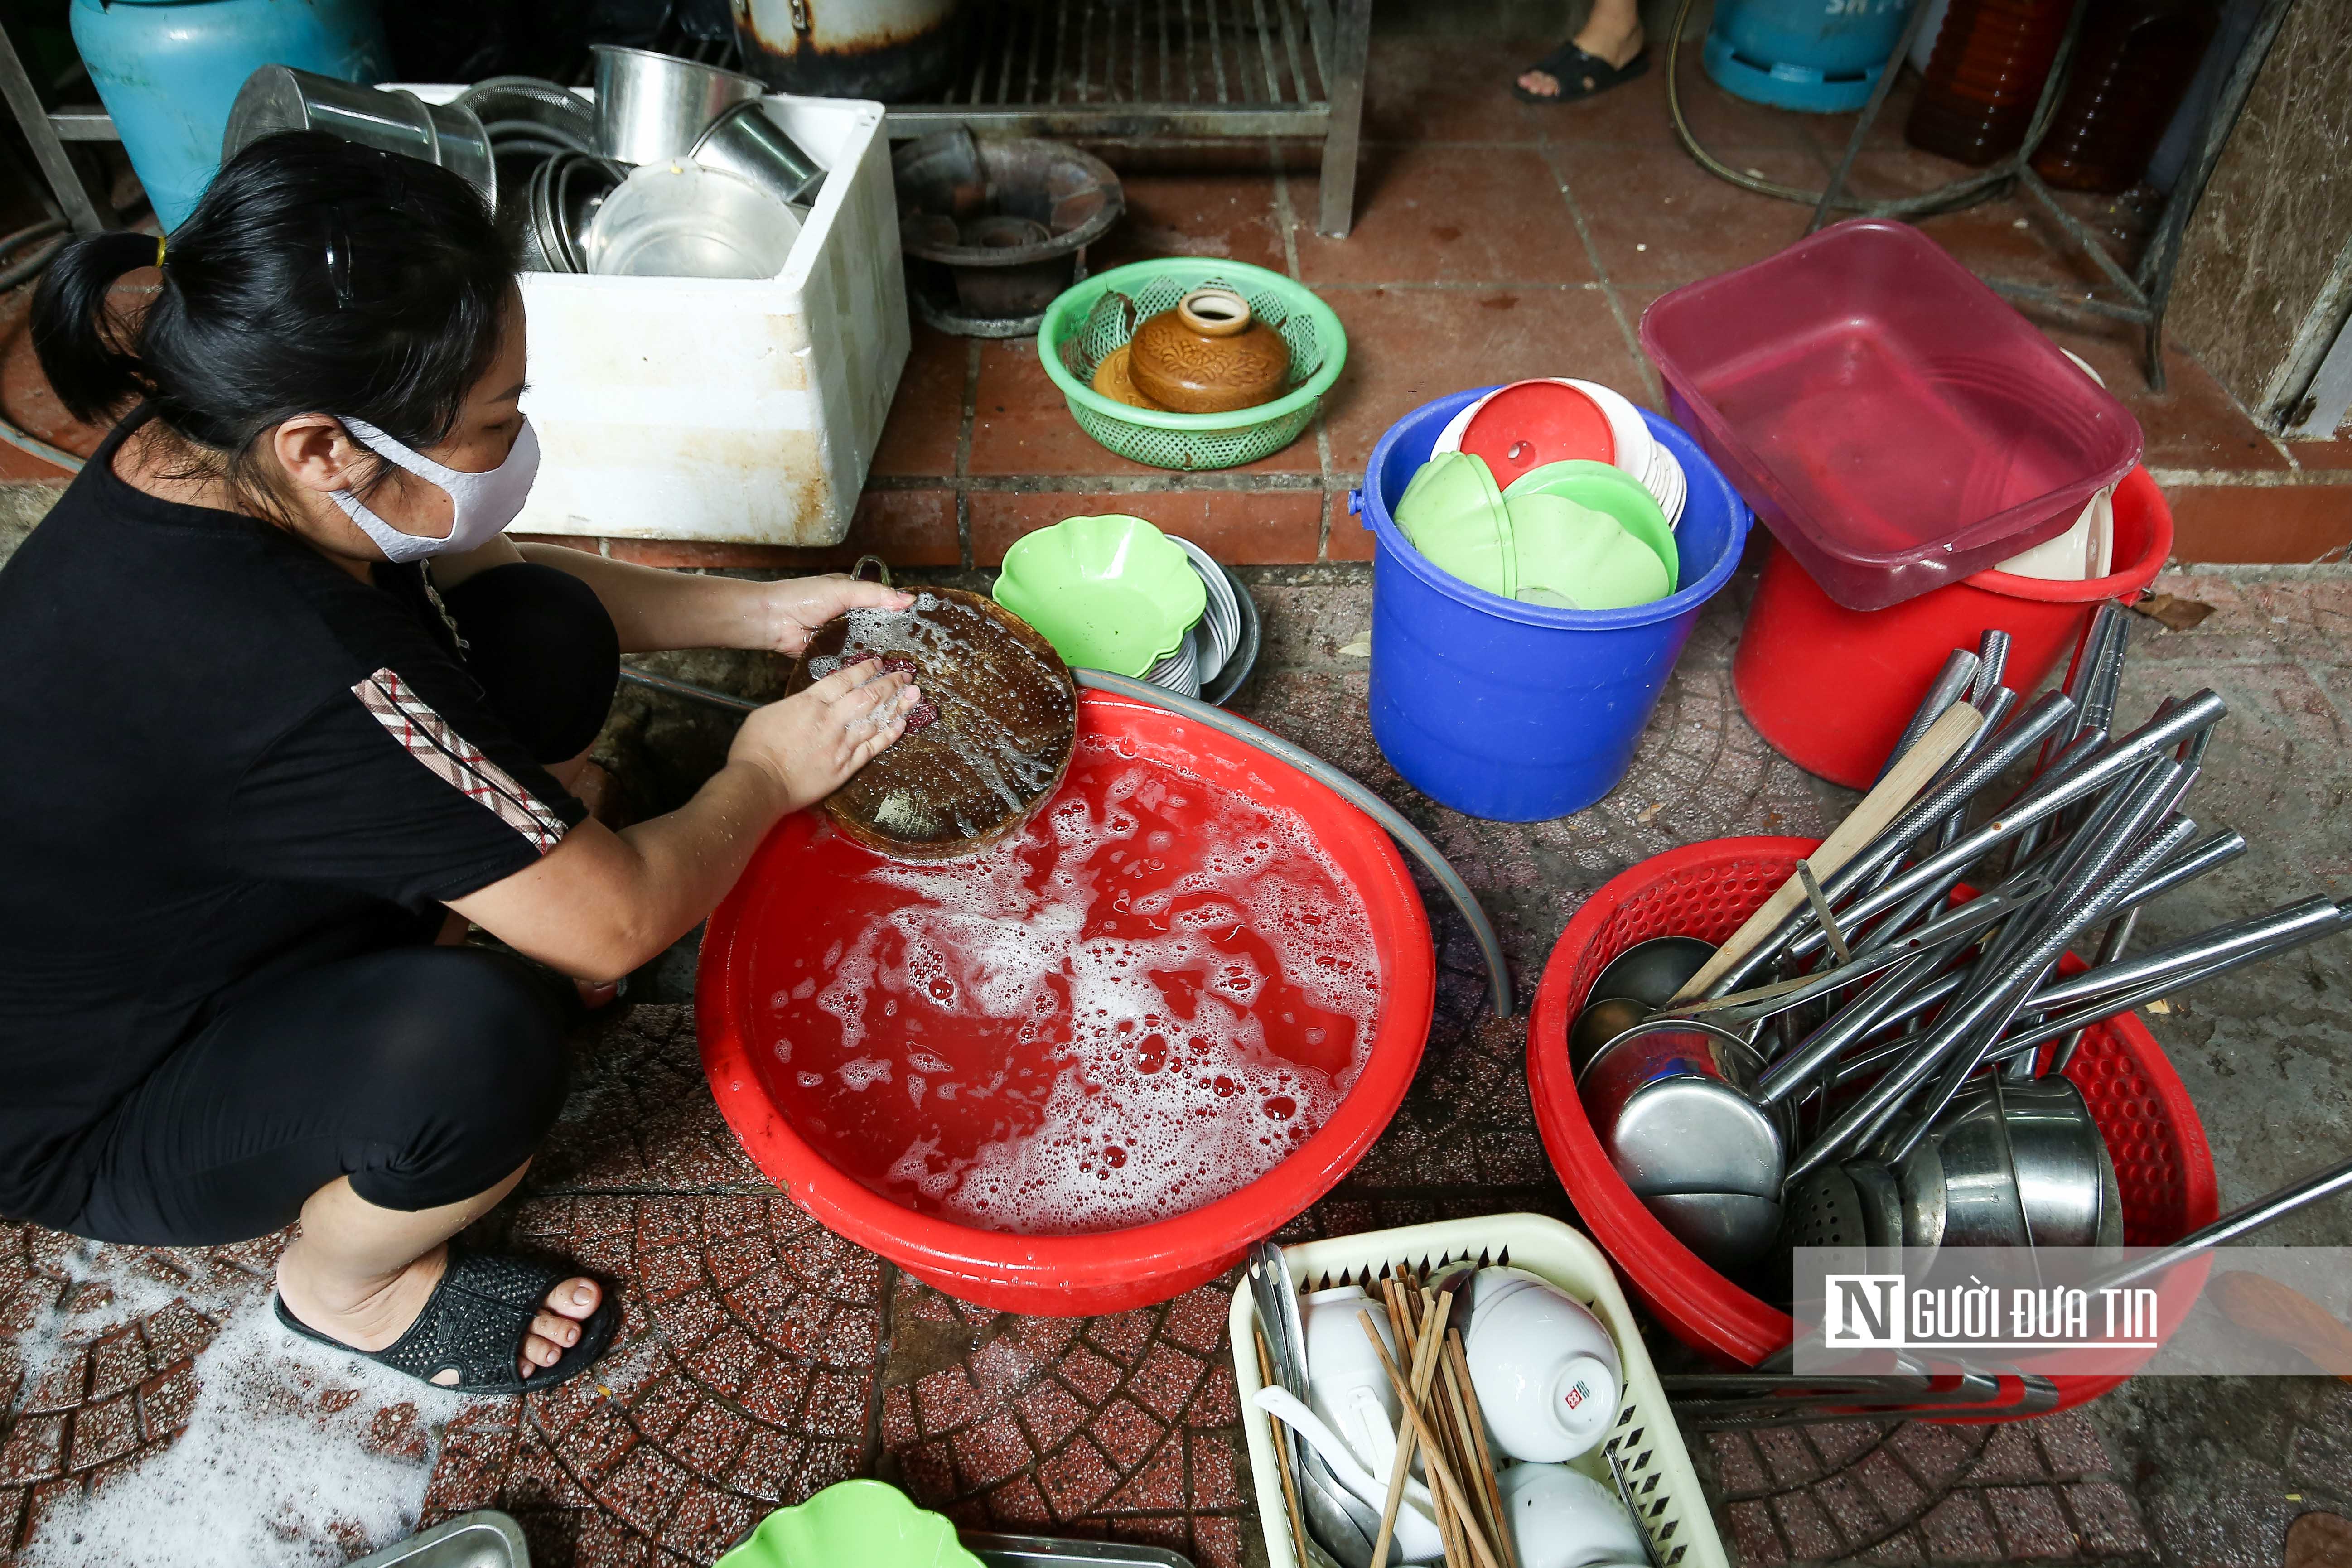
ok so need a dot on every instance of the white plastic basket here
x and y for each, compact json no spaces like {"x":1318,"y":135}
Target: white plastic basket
{"x":1647,"y":1443}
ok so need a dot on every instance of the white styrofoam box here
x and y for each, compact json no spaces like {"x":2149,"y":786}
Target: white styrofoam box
{"x":1649,"y":1445}
{"x":743,"y":411}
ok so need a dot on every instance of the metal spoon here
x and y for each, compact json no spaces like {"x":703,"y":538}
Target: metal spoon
{"x":1340,"y":1522}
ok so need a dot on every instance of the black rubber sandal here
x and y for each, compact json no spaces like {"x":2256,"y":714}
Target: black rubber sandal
{"x":1581,"y":76}
{"x":474,"y":1324}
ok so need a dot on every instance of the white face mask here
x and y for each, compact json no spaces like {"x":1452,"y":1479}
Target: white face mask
{"x":483,"y":503}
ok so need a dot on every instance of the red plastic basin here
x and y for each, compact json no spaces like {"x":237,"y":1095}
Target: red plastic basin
{"x":855,"y":1142}
{"x":1831,"y":687}
{"x":2164,"y":1167}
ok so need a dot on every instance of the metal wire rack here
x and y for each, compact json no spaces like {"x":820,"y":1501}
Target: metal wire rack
{"x":1164,"y":70}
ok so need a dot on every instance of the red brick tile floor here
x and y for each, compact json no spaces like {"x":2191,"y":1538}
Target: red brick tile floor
{"x":763,"y":1358}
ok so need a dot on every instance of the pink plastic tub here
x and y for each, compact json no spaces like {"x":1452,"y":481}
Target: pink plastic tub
{"x":1892,"y":420}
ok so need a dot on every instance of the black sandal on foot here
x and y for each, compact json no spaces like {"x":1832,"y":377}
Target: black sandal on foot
{"x":1581,"y":76}
{"x":474,"y":1324}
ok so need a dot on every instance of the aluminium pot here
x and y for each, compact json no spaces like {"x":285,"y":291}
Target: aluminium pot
{"x":1674,"y":1103}
{"x":896,"y":51}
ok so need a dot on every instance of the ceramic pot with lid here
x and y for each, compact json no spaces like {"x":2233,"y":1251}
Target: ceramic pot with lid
{"x":1208,"y":355}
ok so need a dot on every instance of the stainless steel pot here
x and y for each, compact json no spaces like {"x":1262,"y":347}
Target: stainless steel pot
{"x":895,"y":50}
{"x":1672,"y":1100}
{"x":652,"y":107}
{"x":279,"y":98}
{"x":746,"y":140}
{"x":2012,"y":1165}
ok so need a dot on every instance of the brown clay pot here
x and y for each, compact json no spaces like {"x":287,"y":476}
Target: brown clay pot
{"x":1208,"y":355}
{"x":1113,"y":381}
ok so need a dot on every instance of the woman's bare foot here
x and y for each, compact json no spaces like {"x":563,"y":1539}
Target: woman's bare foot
{"x":375,"y":1318}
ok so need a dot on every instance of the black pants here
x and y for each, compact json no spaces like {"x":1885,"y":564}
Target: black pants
{"x":424,"y":1073}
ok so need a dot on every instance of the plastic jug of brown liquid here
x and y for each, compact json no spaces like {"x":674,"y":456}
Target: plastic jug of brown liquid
{"x":2134,"y":62}
{"x":1991,"y":62}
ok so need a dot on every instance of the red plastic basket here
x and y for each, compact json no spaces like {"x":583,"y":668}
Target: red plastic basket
{"x":2163,"y":1165}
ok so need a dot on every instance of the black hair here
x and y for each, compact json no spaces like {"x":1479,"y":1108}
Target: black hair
{"x":314,"y":277}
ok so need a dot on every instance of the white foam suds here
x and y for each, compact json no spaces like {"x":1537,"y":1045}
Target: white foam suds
{"x":279,"y":1463}
{"x":1150,"y":1087}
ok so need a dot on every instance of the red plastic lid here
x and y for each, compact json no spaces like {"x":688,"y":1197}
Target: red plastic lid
{"x":1532,"y":423}
{"x":1894,"y":422}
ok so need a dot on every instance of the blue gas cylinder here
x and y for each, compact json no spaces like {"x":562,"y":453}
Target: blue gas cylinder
{"x":1818,"y":55}
{"x":167,"y":71}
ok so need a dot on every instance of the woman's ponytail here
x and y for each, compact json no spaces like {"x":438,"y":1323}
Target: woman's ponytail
{"x":76,"y":335}
{"x":314,"y":277}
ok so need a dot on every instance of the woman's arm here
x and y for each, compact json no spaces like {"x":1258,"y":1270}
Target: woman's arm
{"x":655,"y":610}
{"x":601,"y":904}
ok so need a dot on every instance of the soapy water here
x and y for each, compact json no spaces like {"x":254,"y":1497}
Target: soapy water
{"x":294,"y":1453}
{"x":1144,"y":1000}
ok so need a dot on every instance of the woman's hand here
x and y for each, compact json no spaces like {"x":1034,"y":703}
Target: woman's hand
{"x":812,"y":742}
{"x":799,"y":605}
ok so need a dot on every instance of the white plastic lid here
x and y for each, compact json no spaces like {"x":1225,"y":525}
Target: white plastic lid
{"x":1584,"y":1400}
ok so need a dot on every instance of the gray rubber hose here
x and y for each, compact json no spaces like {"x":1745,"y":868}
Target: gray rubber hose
{"x":1498,"y":973}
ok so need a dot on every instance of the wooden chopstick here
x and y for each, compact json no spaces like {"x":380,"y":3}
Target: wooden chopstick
{"x":1439,"y":1470}
{"x":1458,"y":1363}
{"x":1887,"y":800}
{"x":1419,"y":1307}
{"x":1401,"y":1469}
{"x":1289,"y":1484}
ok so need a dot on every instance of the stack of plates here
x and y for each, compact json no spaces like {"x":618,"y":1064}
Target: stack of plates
{"x":1212,"y":639}
{"x":1636,"y":451}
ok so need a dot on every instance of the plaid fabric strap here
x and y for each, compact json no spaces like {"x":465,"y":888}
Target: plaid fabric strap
{"x":428,"y":737}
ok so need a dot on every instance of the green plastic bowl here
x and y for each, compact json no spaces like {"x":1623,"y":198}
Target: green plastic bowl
{"x":1576,"y":557}
{"x":1087,"y":322}
{"x":1455,"y":516}
{"x":1109,"y":592}
{"x":1611,"y":489}
{"x":869,"y":1523}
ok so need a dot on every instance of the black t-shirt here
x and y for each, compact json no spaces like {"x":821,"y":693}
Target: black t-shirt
{"x":222,"y":759}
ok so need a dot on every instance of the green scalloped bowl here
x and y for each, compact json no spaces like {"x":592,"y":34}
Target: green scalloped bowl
{"x":869,"y":1523}
{"x":1577,"y":557}
{"x":1606,"y":488}
{"x":1454,"y":515}
{"x":1109,"y":592}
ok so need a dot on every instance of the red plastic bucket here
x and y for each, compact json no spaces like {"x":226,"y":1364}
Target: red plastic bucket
{"x":762,"y":933}
{"x":1831,"y":687}
{"x":2164,"y":1168}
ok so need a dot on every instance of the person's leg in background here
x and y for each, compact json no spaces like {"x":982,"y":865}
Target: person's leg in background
{"x":1607,"y":50}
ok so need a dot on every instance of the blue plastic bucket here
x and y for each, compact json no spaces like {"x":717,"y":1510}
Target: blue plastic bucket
{"x":1519,"y":712}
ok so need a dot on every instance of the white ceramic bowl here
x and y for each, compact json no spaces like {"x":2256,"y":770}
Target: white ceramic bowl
{"x":1564,"y":1518}
{"x":1546,"y":1373}
{"x":1345,"y":1384}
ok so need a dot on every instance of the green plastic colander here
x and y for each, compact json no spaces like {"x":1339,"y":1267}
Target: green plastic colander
{"x":1087,"y":321}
